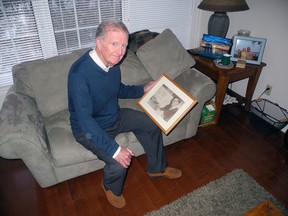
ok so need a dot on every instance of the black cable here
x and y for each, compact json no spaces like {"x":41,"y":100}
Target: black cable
{"x":263,"y":92}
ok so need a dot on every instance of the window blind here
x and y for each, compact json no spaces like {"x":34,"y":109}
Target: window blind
{"x":75,"y":21}
{"x":39,"y":29}
{"x":157,"y":15}
{"x":19,"y":39}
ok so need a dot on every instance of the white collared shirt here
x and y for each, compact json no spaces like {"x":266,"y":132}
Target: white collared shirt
{"x":93,"y":54}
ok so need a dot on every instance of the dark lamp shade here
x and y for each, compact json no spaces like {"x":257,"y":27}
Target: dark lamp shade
{"x":223,"y":5}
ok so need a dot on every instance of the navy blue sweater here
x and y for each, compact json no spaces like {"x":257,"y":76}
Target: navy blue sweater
{"x":93,"y":100}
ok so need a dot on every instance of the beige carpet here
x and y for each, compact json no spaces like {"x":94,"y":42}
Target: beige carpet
{"x":231,"y":195}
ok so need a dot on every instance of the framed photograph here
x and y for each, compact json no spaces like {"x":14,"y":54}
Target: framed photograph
{"x":250,"y":49}
{"x":166,"y":103}
{"x":214,"y":47}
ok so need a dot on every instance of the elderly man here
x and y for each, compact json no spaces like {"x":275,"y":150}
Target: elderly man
{"x":94,"y":87}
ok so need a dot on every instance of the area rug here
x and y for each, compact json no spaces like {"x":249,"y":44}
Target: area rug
{"x":232,"y":195}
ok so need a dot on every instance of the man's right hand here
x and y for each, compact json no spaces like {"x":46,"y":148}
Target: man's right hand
{"x":124,"y":157}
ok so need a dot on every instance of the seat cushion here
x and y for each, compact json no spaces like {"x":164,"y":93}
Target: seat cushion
{"x":165,"y":54}
{"x":64,"y":149}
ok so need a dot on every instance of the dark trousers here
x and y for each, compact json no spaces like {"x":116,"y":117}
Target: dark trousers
{"x":147,"y":133}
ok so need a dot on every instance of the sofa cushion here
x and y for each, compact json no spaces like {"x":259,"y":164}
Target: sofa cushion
{"x":165,"y":54}
{"x":132,"y":70}
{"x":137,"y":39}
{"x":46,"y":81}
{"x":64,"y":149}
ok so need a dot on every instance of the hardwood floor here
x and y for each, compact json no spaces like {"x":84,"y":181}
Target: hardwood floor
{"x":238,"y":141}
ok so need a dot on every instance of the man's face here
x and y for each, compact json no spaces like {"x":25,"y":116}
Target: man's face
{"x":175,"y":102}
{"x":112,"y":47}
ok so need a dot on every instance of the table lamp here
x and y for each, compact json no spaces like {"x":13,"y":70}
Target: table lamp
{"x":219,"y":21}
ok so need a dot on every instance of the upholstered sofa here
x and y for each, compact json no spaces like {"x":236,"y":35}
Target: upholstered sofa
{"x":34,"y":120}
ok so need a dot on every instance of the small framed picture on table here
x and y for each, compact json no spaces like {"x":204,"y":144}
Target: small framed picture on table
{"x":250,"y":49}
{"x":166,"y":103}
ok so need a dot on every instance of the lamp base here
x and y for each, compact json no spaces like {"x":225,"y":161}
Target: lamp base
{"x":218,"y":24}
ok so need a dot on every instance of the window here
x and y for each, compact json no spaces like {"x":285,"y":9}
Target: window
{"x":75,"y":21}
{"x":19,"y":39}
{"x":39,"y":29}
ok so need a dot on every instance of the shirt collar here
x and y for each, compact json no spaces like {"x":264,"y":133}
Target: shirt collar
{"x":93,"y":54}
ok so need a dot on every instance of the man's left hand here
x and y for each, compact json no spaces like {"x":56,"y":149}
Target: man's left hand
{"x":149,"y":86}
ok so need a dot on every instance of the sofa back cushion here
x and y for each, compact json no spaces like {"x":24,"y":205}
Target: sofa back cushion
{"x":46,"y":81}
{"x":165,"y":54}
{"x":133,"y":71}
{"x":139,"y":38}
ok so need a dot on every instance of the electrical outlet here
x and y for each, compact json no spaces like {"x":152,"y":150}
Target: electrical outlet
{"x":268,"y":90}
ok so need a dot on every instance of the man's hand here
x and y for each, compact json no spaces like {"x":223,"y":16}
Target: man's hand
{"x":149,"y":85}
{"x":124,"y":157}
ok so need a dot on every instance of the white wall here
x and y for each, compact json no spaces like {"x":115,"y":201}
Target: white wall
{"x":267,"y":19}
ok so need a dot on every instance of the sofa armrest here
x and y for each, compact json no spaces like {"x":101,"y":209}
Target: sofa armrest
{"x":202,"y":88}
{"x":197,"y":84}
{"x":22,"y":135}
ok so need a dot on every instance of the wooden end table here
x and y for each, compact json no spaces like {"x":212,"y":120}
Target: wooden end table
{"x":225,"y":76}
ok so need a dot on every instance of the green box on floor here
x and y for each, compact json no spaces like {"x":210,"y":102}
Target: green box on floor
{"x":208,"y":113}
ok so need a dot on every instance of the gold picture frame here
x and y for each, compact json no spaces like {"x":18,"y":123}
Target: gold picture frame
{"x":167,"y":103}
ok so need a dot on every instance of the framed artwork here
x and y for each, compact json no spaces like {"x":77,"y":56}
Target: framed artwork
{"x":214,"y":47}
{"x":166,"y":103}
{"x":250,"y":49}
